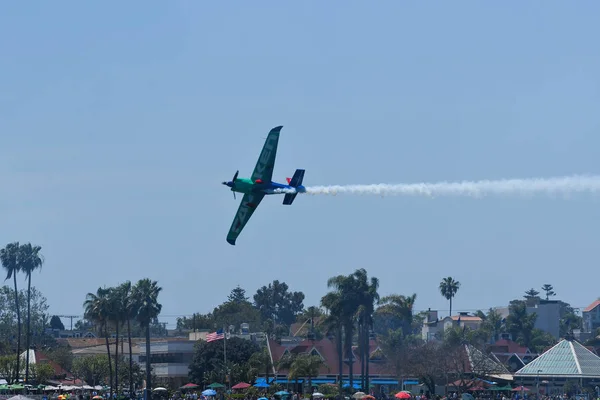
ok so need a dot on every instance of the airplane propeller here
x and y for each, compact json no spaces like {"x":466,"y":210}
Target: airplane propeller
{"x":232,"y":183}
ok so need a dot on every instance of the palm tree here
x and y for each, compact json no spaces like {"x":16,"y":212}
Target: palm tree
{"x":345,"y":288}
{"x":368,"y":296}
{"x":30,"y":259}
{"x":116,"y":315}
{"x":146,"y":293}
{"x":9,"y":256}
{"x":448,"y":288}
{"x":305,"y":365}
{"x":261,"y":361}
{"x":401,"y":307}
{"x":130,"y":312}
{"x":333,"y":323}
{"x":98,"y":308}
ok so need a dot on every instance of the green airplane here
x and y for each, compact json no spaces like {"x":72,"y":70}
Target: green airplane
{"x":260,"y":184}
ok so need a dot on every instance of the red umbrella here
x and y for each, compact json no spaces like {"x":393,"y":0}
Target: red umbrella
{"x":189,"y":386}
{"x":520,"y":388}
{"x":241,"y":385}
{"x":402,"y":395}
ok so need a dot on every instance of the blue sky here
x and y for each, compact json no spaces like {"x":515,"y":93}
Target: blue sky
{"x":119,"y":123}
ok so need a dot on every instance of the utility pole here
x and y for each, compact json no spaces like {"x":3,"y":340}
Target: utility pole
{"x":70,"y":317}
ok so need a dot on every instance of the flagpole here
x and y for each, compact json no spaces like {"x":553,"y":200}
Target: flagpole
{"x":225,"y":353}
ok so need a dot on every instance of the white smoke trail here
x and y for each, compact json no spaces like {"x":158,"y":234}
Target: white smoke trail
{"x":559,"y":185}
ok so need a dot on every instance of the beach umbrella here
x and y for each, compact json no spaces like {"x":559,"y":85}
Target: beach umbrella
{"x":189,"y":386}
{"x":241,"y":385}
{"x":359,"y":395}
{"x":318,"y":395}
{"x":216,"y":385}
{"x":209,"y":392}
{"x":402,"y":395}
{"x":283,"y":393}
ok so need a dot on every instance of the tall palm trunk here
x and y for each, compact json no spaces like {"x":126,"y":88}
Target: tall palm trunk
{"x":28,"y":327}
{"x":340,"y":350}
{"x":349,"y":333}
{"x":450,"y":306}
{"x":130,"y":359}
{"x":110,"y":374}
{"x":17,"y":370}
{"x":361,"y":347}
{"x":117,"y":360}
{"x":148,"y":371}
{"x":368,"y":353}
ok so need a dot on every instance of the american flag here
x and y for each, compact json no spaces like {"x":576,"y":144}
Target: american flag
{"x":218,"y":335}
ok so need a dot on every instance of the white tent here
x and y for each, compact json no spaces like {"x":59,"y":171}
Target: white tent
{"x":20,"y":397}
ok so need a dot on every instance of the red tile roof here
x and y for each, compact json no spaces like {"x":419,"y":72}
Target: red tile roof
{"x":508,"y":346}
{"x":327,"y":349}
{"x":42,"y":358}
{"x":592,"y":306}
{"x":466,"y":318}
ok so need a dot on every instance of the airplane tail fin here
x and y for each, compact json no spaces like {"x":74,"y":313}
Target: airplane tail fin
{"x":288,"y":199}
{"x":295,"y":181}
{"x":297,"y":178}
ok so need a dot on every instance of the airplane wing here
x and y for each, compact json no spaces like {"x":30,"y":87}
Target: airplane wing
{"x":249,"y":203}
{"x":264,"y":166}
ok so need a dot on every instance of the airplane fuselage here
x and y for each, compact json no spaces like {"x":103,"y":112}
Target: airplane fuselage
{"x":246,"y":185}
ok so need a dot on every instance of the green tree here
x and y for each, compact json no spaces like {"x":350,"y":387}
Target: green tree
{"x":197,"y":321}
{"x":56,"y":323}
{"x":334,"y":325}
{"x":519,"y":323}
{"x":549,"y":289}
{"x":531,"y":294}
{"x":129,"y":313}
{"x":42,"y":372}
{"x":235,"y":312}
{"x":98,"y":308}
{"x":448,"y":288}
{"x":493,"y":324}
{"x":368,"y":296}
{"x":92,"y":369}
{"x":209,"y":358}
{"x":306,"y":366}
{"x":61,"y":355}
{"x":237,"y":295}
{"x":261,"y":362}
{"x":396,"y":312}
{"x":569,"y":319}
{"x":30,"y":260}
{"x":8,"y":319}
{"x":350,"y":295}
{"x":277,"y":303}
{"x":145,"y":294}
{"x":8,"y":364}
{"x":9,"y":257}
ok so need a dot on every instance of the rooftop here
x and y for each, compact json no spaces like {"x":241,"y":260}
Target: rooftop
{"x":567,"y":359}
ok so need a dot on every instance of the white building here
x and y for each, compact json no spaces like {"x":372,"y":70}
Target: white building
{"x":170,"y":359}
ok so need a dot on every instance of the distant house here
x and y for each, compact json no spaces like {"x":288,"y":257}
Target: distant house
{"x":548,"y":315}
{"x":591,"y":317}
{"x":60,"y":375}
{"x":433,"y":327}
{"x":511,"y":354}
{"x":380,"y":373}
{"x":64,"y":334}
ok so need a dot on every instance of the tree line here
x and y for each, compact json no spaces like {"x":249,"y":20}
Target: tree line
{"x":352,"y":313}
{"x":21,"y":258}
{"x":113,"y":308}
